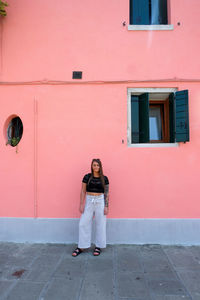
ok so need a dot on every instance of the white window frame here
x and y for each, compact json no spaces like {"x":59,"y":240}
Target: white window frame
{"x":132,"y":91}
{"x":151,"y":27}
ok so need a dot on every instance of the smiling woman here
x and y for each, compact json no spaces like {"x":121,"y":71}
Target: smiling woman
{"x":95,"y":187}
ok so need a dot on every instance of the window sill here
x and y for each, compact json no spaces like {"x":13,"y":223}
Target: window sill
{"x":150,"y":27}
{"x":152,"y":145}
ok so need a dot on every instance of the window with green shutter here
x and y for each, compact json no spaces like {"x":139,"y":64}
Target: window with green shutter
{"x":180,"y":116}
{"x":159,"y":117}
{"x":148,"y":12}
{"x":140,"y":118}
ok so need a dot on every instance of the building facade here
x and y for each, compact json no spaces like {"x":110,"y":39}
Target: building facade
{"x":115,"y":80}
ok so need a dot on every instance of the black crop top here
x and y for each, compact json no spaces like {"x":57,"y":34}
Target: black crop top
{"x":95,"y":185}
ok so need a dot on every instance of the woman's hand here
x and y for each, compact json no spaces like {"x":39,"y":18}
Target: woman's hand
{"x":81,"y":208}
{"x":105,"y":210}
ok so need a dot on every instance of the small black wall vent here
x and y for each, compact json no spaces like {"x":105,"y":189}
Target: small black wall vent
{"x":77,"y":75}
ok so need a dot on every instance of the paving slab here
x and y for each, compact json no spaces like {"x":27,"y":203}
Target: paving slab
{"x":181,"y":257}
{"x":3,"y":258}
{"x":97,"y":265}
{"x":168,"y":275}
{"x":195,"y":252}
{"x":70,"y":268}
{"x":5,"y":287}
{"x":98,"y":286}
{"x":191,"y":280}
{"x":14,"y":273}
{"x":10,"y":248}
{"x":171,"y":297}
{"x":4,"y":270}
{"x":20,"y":261}
{"x":121,"y":272}
{"x":128,"y":259}
{"x":43,"y":268}
{"x":195,"y":296}
{"x":132,"y":284}
{"x":54,"y":249}
{"x":121,"y":298}
{"x":33,"y":250}
{"x":154,"y":259}
{"x":166,"y":287}
{"x":25,"y":291}
{"x":63,"y":289}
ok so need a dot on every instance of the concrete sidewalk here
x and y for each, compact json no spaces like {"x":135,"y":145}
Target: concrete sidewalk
{"x":121,"y":272}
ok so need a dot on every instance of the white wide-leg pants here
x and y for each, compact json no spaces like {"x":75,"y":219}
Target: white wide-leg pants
{"x":94,"y":205}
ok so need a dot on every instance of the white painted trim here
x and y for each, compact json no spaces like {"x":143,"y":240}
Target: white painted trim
{"x":119,"y":231}
{"x":153,"y":145}
{"x":129,"y":119}
{"x":138,"y":91}
{"x":151,"y":27}
{"x":151,"y":90}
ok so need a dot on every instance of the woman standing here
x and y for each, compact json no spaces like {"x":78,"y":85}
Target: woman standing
{"x":95,"y":186}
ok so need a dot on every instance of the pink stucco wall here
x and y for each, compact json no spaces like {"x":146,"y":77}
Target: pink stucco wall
{"x":67,"y":125}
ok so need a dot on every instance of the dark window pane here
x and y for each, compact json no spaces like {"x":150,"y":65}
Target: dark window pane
{"x":158,"y":12}
{"x":139,"y":12}
{"x":134,"y":119}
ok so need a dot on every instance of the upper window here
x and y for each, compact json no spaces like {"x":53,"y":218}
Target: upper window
{"x":159,"y":117}
{"x":148,"y":12}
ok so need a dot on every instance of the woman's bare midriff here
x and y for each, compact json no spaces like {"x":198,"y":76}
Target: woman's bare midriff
{"x":94,"y":194}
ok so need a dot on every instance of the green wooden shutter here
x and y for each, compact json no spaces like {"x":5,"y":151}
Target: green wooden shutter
{"x":134,"y":119}
{"x":159,"y":12}
{"x":140,"y":118}
{"x":139,"y":12}
{"x":181,"y":116}
{"x":171,"y":118}
{"x":144,"y":118}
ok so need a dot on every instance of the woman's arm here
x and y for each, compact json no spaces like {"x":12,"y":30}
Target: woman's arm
{"x":82,"y":197}
{"x":106,"y":198}
{"x":106,"y":194}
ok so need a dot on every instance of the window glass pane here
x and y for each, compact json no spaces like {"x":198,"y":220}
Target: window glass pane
{"x":155,"y":125}
{"x":139,"y":12}
{"x":158,"y":11}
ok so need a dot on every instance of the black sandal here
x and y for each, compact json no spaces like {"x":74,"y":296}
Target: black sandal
{"x":77,"y":251}
{"x":97,"y":250}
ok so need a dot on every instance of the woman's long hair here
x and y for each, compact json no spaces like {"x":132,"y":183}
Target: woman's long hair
{"x":100,"y":171}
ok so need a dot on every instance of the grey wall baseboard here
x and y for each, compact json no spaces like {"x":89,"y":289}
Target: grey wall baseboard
{"x":119,"y":231}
